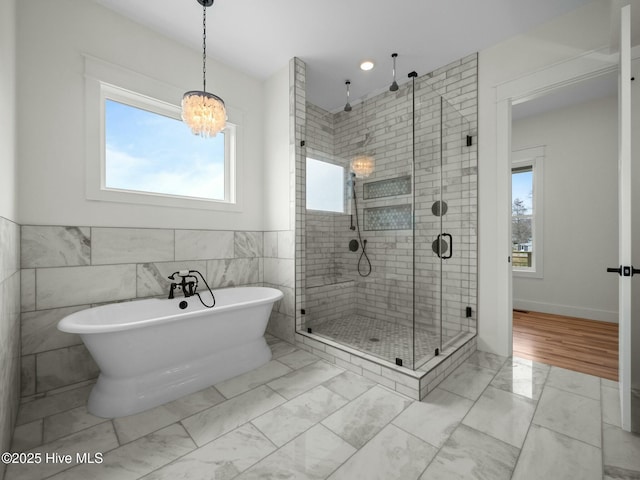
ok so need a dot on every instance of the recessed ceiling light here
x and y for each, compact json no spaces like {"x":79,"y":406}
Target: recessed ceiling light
{"x":367,"y":65}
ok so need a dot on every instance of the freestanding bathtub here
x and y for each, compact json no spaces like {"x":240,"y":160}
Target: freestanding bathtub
{"x":151,"y":351}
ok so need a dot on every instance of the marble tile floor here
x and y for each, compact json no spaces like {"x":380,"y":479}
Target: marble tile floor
{"x":299,"y":417}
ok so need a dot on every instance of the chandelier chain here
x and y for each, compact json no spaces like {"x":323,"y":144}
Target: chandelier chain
{"x":204,"y":47}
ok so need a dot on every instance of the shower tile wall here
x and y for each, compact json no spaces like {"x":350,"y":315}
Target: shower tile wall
{"x":383,"y":128}
{"x":67,"y":269}
{"x":9,"y":330}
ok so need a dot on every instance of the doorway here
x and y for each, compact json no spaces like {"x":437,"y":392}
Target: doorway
{"x":564,"y":229}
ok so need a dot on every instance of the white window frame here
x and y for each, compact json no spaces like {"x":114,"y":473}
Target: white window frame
{"x":107,"y":81}
{"x":533,"y":157}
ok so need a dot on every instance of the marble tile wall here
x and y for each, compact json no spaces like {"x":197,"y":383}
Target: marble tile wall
{"x":9,"y":330}
{"x":69,"y":268}
{"x":279,"y":272}
{"x":381,"y":126}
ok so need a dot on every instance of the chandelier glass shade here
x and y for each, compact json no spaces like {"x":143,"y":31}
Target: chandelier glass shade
{"x":204,"y":113}
{"x":362,"y":165}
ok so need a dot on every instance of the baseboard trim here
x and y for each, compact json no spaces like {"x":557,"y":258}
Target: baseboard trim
{"x":566,"y":310}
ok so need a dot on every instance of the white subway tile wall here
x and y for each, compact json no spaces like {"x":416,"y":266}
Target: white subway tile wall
{"x":445,"y":169}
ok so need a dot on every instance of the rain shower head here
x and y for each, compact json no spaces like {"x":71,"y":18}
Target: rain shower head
{"x":347,"y":107}
{"x":394,"y":86}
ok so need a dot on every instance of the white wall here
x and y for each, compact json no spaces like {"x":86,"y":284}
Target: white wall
{"x":277,"y":170}
{"x":7,"y":112}
{"x":579,"y":213}
{"x":52,"y":36}
{"x":579,"y":31}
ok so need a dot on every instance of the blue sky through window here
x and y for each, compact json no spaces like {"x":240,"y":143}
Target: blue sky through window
{"x":522,"y":187}
{"x":153,"y":153}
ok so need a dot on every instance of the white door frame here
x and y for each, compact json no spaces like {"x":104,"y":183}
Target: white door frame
{"x":528,"y":87}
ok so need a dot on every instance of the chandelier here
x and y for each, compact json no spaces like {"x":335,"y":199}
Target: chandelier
{"x":204,"y":112}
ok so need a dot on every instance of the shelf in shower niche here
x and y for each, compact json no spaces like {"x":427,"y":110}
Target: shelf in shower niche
{"x":394,"y":217}
{"x":387,"y":188}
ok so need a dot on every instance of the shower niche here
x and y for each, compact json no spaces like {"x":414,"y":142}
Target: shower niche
{"x":392,"y":299}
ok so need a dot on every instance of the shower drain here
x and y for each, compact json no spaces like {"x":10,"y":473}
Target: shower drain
{"x":374,"y":339}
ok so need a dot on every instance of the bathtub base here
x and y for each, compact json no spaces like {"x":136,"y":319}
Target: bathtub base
{"x":118,"y":397}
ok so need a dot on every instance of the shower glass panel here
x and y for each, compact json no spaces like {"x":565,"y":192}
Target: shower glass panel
{"x":388,"y":274}
{"x":458,"y":184}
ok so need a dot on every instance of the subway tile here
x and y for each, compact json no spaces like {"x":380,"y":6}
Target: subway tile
{"x":131,"y":245}
{"x":44,"y":246}
{"x":204,"y":244}
{"x":67,"y":286}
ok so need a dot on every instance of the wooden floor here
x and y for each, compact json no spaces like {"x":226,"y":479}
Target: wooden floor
{"x":586,"y":346}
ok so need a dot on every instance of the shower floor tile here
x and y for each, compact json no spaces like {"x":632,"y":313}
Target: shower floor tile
{"x":383,"y":339}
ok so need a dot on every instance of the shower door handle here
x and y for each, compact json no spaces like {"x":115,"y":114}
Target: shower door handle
{"x":445,"y":257}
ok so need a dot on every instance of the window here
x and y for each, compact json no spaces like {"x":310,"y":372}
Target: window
{"x":325,"y":186}
{"x":526,"y":211}
{"x":140,"y":151}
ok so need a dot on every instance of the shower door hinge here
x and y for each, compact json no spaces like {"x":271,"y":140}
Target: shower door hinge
{"x":398,"y":361}
{"x":469,"y":140}
{"x":303,"y":311}
{"x":437,"y":352}
{"x":309,"y":330}
{"x":302,"y":143}
{"x":468,"y":312}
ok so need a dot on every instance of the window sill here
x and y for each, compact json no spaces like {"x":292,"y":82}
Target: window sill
{"x":526,"y":273}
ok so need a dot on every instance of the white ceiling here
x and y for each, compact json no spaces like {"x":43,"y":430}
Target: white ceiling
{"x":259,"y":37}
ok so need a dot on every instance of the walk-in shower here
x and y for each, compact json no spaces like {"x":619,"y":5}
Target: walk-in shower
{"x":387,"y":252}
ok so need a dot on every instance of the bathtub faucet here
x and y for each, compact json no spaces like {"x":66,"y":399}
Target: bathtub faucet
{"x":188,"y":287}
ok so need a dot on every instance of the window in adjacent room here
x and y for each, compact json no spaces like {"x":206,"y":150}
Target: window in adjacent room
{"x":526,"y":211}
